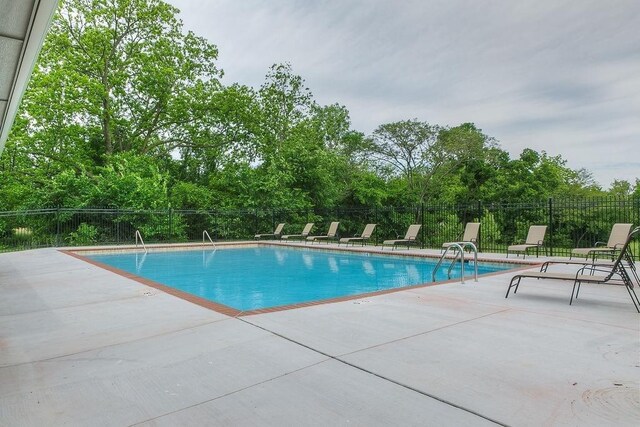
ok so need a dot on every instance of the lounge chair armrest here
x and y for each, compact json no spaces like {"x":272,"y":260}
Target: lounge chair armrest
{"x":596,"y":268}
{"x":580,"y":271}
{"x":600,"y":244}
{"x":545,"y":266}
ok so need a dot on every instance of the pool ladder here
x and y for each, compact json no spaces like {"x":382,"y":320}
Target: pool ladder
{"x":205,"y":233}
{"x":459,"y":247}
{"x":139,"y":238}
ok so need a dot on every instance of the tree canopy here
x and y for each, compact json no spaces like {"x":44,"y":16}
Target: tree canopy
{"x":126,"y":108}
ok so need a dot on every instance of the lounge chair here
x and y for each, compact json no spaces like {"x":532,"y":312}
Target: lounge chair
{"x":628,"y":257}
{"x":276,"y":233}
{"x":590,"y":273}
{"x":617,"y":237}
{"x":535,"y":239}
{"x":362,"y":238}
{"x":331,"y":234}
{"x":305,"y":232}
{"x":471,"y":232}
{"x":409,"y":239}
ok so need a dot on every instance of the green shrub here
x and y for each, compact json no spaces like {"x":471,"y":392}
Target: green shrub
{"x":84,"y":235}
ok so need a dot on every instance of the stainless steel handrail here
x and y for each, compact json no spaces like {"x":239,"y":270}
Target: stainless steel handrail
{"x":139,"y":236}
{"x":206,"y":233}
{"x":459,"y":246}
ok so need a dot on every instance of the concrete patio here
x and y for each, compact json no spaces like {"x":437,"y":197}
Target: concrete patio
{"x":80,"y":345}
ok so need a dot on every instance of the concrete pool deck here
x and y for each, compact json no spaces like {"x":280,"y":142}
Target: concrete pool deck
{"x":80,"y":345}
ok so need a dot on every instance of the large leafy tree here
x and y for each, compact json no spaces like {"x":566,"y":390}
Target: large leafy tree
{"x":532,"y":176}
{"x":423,"y":156}
{"x":130,"y":73}
{"x":476,"y":159}
{"x":286,"y":102}
{"x":116,"y":76}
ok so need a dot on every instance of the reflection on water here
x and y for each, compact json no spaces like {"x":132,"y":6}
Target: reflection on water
{"x":140,"y":264}
{"x":307,"y":260}
{"x":333,"y":264}
{"x":280,"y":256}
{"x":207,"y":256}
{"x":413,"y":275}
{"x":368,"y":268}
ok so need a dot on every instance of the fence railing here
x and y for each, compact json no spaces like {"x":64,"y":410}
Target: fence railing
{"x":571,"y":223}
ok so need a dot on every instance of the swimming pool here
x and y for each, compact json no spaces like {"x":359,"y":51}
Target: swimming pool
{"x":265,"y":276}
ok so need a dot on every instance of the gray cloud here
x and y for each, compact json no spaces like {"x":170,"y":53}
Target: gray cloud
{"x":559,"y":76}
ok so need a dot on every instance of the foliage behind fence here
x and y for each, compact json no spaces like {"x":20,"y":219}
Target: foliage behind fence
{"x":572,"y":223}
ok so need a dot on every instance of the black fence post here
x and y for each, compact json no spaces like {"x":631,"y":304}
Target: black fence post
{"x":118,"y":225}
{"x":479,"y":241}
{"x":214,"y":214}
{"x":255,"y":213}
{"x":422,"y":225}
{"x":58,"y":226}
{"x":170,"y":236}
{"x":550,"y":222}
{"x":375,"y":220}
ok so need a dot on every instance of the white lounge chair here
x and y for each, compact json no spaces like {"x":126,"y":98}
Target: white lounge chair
{"x":409,"y":239}
{"x":471,"y":233}
{"x":590,"y":273}
{"x":362,"y":238}
{"x":331,"y":234}
{"x":535,"y":239}
{"x":304,"y":234}
{"x":276,"y":233}
{"x":617,"y":237}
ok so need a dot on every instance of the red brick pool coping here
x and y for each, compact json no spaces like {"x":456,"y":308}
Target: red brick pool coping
{"x":230,"y":311}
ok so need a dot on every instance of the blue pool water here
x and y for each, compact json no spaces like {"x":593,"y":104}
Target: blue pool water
{"x":264,"y":277}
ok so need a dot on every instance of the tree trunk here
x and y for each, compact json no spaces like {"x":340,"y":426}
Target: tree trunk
{"x":106,"y":117}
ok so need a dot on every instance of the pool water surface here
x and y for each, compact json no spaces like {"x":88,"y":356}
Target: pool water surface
{"x":267,"y":276}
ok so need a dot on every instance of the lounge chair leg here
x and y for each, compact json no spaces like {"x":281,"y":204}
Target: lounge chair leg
{"x":634,"y":297}
{"x":573,"y":291}
{"x":511,"y":285}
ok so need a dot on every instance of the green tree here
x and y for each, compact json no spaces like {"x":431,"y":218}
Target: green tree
{"x":532,"y":176}
{"x":285,"y":102}
{"x":476,"y":159}
{"x":429,"y":158}
{"x":120,"y":75}
{"x":113,"y":77}
{"x":621,"y":188}
{"x":407,"y":149}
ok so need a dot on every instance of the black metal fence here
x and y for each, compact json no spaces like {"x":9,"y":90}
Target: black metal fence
{"x":571,"y":223}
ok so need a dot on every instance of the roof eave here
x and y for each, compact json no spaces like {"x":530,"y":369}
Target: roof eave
{"x":41,"y":17}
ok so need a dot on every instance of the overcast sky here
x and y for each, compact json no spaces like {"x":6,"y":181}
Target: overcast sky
{"x":553,"y":75}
